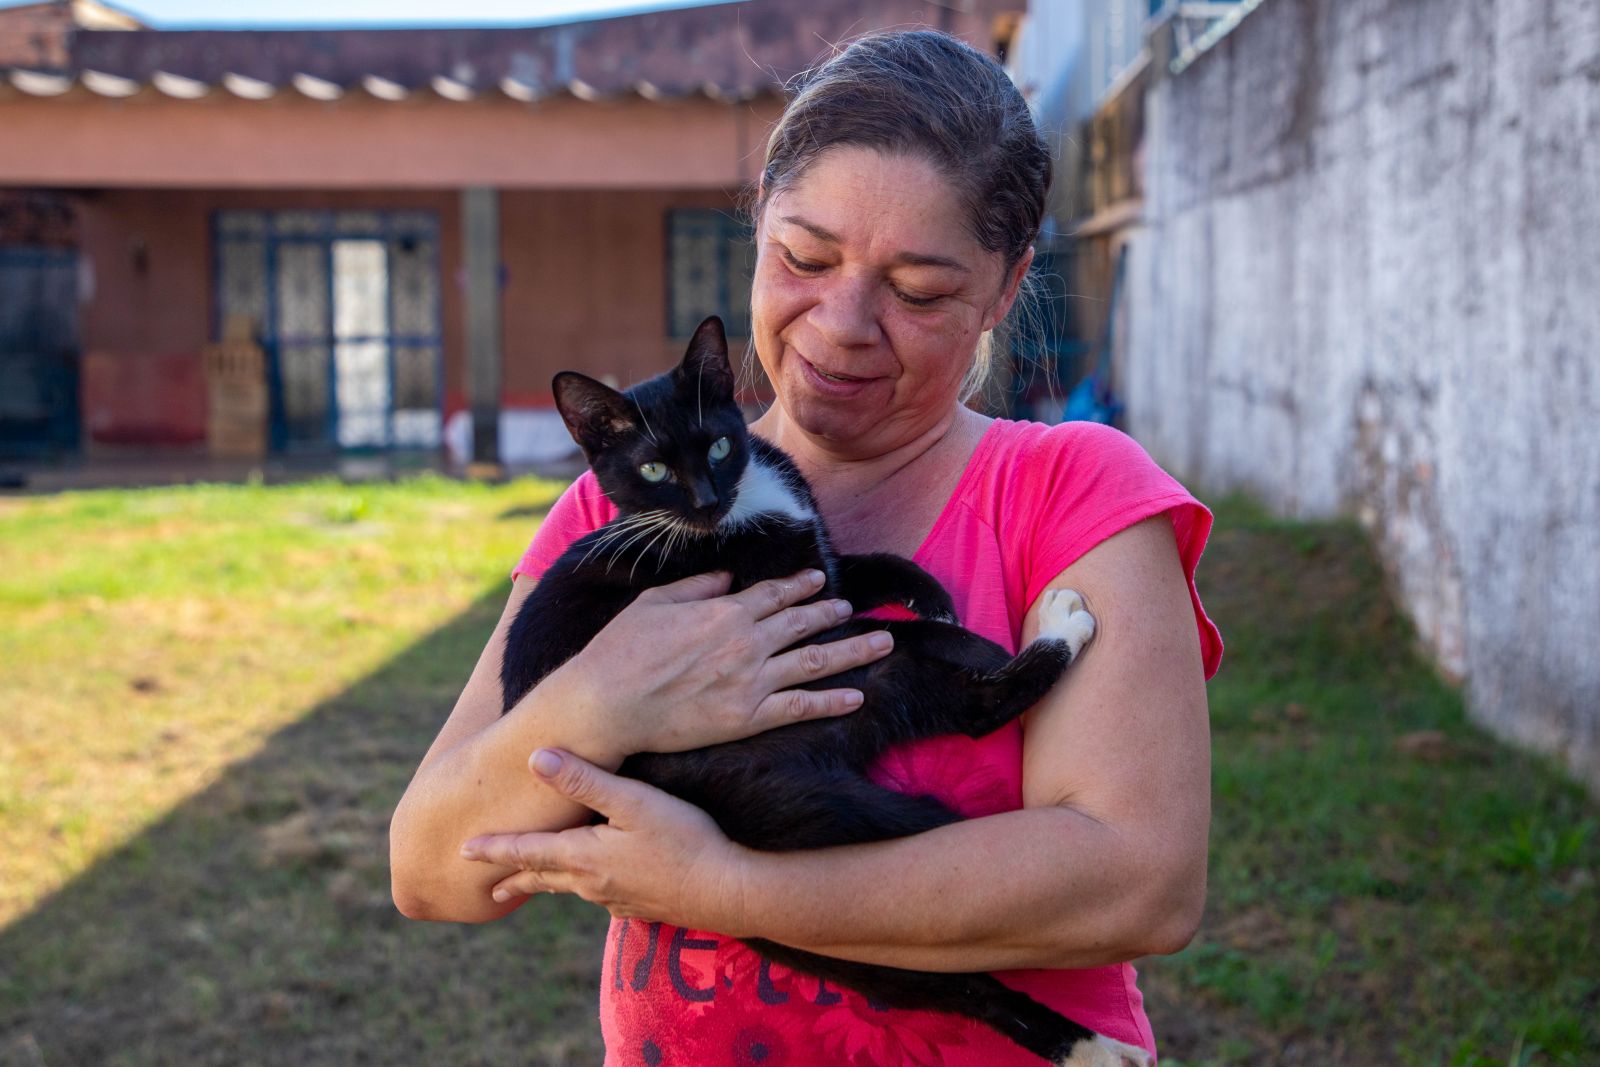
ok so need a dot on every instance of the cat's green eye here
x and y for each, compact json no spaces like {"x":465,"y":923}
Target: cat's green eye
{"x":653,"y":472}
{"x":720,"y":449}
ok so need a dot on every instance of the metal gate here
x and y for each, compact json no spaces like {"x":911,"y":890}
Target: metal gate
{"x":346,"y":306}
{"x":38,"y":351}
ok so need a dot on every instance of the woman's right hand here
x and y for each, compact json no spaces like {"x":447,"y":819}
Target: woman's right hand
{"x":688,"y":665}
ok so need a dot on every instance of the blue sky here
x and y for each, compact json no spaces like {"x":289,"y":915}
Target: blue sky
{"x":177,"y":14}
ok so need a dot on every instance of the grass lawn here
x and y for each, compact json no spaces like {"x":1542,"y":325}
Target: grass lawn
{"x":214,"y":696}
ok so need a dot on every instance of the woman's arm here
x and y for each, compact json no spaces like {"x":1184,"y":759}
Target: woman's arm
{"x":713,"y":675}
{"x":475,"y":775}
{"x":1105,"y":863}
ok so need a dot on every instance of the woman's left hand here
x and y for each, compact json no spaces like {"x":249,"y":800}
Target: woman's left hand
{"x":657,"y":858}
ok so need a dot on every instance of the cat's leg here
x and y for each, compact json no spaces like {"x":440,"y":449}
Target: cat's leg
{"x":983,"y":997}
{"x":1064,"y":629}
{"x":876,"y":579}
{"x":956,"y":681}
{"x":1063,"y":616}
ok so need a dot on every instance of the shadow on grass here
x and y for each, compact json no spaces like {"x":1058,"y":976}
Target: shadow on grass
{"x":253,"y":923}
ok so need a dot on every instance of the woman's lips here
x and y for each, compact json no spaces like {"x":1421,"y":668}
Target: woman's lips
{"x":830,"y":384}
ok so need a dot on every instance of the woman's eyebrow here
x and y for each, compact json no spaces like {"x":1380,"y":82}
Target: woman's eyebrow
{"x":812,"y":228}
{"x":922,"y":259}
{"x":910,"y":259}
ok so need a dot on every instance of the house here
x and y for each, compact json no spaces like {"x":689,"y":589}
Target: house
{"x":417,"y":227}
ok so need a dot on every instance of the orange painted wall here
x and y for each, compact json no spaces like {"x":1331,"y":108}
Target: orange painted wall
{"x":84,"y":141}
{"x":585,"y":288}
{"x":587,"y":285}
{"x":147,"y":260}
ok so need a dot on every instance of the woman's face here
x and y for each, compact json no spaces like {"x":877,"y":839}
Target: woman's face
{"x":869,"y":298}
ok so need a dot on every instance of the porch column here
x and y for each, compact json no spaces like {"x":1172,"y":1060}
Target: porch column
{"x":480,"y":234}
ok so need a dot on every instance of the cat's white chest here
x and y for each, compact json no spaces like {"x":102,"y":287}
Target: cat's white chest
{"x":765,"y":492}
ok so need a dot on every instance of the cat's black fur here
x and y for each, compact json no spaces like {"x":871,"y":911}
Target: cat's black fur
{"x":800,"y":786}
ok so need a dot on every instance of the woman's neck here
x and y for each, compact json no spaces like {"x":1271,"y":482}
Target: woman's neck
{"x":886,"y":501}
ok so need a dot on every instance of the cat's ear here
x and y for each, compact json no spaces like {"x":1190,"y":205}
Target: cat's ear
{"x":705,"y":370}
{"x":594,"y":412}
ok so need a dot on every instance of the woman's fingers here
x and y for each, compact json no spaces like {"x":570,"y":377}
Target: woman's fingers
{"x":637,"y":864}
{"x":797,"y":705}
{"x":772,"y":596}
{"x":580,"y":781}
{"x":521,"y":884}
{"x":534,"y":851}
{"x":802,"y":621}
{"x":685,"y":590}
{"x":810,"y":662}
{"x":716,"y":660}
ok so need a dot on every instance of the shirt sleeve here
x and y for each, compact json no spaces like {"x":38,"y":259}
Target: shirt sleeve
{"x":582,"y":509}
{"x":1076,"y":485}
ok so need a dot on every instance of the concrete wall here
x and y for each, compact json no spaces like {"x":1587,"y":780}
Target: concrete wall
{"x":1369,"y":282}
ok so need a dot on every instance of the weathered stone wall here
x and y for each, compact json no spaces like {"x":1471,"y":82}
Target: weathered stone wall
{"x":1369,"y":282}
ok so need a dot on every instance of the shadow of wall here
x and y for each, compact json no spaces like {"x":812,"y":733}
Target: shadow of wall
{"x":253,"y":924}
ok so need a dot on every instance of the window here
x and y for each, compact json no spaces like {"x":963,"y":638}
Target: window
{"x":346,"y":306}
{"x":710,"y":259}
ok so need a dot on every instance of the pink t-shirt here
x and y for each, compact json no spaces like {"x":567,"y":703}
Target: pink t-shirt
{"x":1032,"y":500}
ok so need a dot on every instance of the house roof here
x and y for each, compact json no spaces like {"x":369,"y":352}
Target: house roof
{"x":38,"y":36}
{"x":734,"y":51}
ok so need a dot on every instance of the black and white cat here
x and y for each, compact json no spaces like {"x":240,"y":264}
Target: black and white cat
{"x":696,"y":492}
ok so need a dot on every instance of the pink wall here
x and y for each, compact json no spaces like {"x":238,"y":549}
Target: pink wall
{"x":147,"y":314}
{"x":587,"y":285}
{"x":585,"y":289}
{"x":220,"y":141}
{"x":143,"y":399}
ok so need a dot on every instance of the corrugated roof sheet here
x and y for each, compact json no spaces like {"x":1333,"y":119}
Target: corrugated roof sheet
{"x":725,"y":51}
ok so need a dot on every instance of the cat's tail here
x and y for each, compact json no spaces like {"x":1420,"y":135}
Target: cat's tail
{"x":976,"y":995}
{"x":1051,"y":1036}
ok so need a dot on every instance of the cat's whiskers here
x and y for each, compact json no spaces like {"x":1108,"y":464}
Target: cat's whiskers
{"x":666,"y":530}
{"x":643,"y":521}
{"x":648,"y":520}
{"x":662,"y":519}
{"x":645,"y":420}
{"x":681,"y":532}
{"x":647,"y":532}
{"x":621,"y":527}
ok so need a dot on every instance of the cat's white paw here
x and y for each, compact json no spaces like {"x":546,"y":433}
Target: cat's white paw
{"x":1062,"y":617}
{"x":1104,"y":1051}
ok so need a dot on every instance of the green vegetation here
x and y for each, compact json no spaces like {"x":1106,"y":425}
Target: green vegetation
{"x":1388,"y":885}
{"x":214,"y":696}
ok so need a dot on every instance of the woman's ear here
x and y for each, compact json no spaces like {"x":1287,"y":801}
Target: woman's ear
{"x":1009,"y":291}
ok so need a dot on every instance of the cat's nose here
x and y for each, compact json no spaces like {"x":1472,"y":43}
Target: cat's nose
{"x":703,"y":496}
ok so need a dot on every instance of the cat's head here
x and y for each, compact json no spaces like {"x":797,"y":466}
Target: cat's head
{"x":675,"y":443}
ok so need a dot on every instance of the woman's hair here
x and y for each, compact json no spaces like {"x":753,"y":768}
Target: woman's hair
{"x":929,"y":95}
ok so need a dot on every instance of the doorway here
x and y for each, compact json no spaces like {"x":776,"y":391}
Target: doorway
{"x":345,"y":305}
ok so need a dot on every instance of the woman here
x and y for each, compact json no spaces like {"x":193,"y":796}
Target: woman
{"x":901,"y":194}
